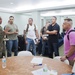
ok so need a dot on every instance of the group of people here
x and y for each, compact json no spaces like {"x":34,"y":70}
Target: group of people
{"x":49,"y":34}
{"x":11,"y":32}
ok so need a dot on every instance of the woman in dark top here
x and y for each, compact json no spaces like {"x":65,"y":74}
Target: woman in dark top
{"x":44,"y":37}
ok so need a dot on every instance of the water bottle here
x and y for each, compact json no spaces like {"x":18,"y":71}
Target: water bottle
{"x":45,"y":70}
{"x":3,"y":62}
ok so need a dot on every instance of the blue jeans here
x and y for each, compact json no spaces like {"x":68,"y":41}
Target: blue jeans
{"x":12,"y":44}
{"x":31,"y":43}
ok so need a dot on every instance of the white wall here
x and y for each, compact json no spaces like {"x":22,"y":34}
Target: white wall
{"x":5,"y":17}
{"x":22,"y":19}
{"x":60,"y":20}
{"x":19,"y":19}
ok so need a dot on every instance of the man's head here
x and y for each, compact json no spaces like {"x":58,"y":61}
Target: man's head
{"x":30,"y":21}
{"x":47,"y":23}
{"x":0,"y":20}
{"x":54,"y":19}
{"x":11,"y":19}
{"x":67,"y":24}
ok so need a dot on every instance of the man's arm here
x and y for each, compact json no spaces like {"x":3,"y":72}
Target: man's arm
{"x":71,"y":51}
{"x":55,"y":31}
{"x":72,"y":46}
{"x":51,"y":32}
{"x":24,"y":34}
{"x":16,"y":32}
{"x":7,"y":31}
{"x":74,"y":59}
{"x":37,"y":34}
{"x":42,"y":36}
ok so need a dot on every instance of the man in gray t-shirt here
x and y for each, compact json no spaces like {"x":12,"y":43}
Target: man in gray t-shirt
{"x":11,"y":31}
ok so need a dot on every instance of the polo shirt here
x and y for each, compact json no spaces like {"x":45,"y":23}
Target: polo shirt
{"x":68,"y":43}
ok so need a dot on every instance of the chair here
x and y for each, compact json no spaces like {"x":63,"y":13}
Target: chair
{"x":58,"y":59}
{"x":73,"y":70}
{"x":24,"y":53}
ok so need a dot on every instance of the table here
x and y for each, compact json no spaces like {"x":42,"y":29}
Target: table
{"x":21,"y":65}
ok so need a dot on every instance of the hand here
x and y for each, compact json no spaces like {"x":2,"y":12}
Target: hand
{"x":26,"y":42}
{"x":15,"y":32}
{"x":55,"y":32}
{"x":47,"y":31}
{"x":44,"y":38}
{"x":63,"y":58}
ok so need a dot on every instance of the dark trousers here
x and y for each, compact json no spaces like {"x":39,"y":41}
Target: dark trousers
{"x":12,"y":44}
{"x":53,"y":48}
{"x":44,"y":44}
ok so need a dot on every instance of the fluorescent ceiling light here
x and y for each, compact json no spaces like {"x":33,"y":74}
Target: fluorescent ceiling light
{"x":7,"y":10}
{"x":45,"y":4}
{"x":68,"y":12}
{"x":11,"y":3}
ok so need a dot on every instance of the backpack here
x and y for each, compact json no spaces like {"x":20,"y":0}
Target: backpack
{"x":69,"y":33}
{"x":28,"y":28}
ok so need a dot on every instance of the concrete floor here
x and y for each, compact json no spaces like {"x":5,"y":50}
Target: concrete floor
{"x":61,"y":50}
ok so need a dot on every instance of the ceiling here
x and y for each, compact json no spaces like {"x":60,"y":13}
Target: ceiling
{"x":20,"y":6}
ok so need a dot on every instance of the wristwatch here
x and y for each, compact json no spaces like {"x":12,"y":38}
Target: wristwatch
{"x":67,"y":57}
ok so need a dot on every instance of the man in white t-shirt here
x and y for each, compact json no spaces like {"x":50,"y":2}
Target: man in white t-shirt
{"x":31,"y":34}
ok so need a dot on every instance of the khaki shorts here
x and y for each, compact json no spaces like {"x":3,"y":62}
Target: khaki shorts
{"x":71,"y":62}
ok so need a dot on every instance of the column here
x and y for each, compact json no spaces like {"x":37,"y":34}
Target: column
{"x":37,"y":19}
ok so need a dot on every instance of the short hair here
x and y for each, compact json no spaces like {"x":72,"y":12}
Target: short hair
{"x":55,"y":17}
{"x":31,"y":19}
{"x":68,"y":19}
{"x":11,"y":17}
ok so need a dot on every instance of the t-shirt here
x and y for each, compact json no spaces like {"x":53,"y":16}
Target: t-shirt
{"x":12,"y":28}
{"x":68,"y":43}
{"x":43,"y":31}
{"x":31,"y":31}
{"x":54,"y":37}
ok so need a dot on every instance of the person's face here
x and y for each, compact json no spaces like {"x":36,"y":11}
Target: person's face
{"x":0,"y":20}
{"x":47,"y":23}
{"x":44,"y":29}
{"x":65,"y":25}
{"x":53,"y":20}
{"x":30,"y":21}
{"x":11,"y":20}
